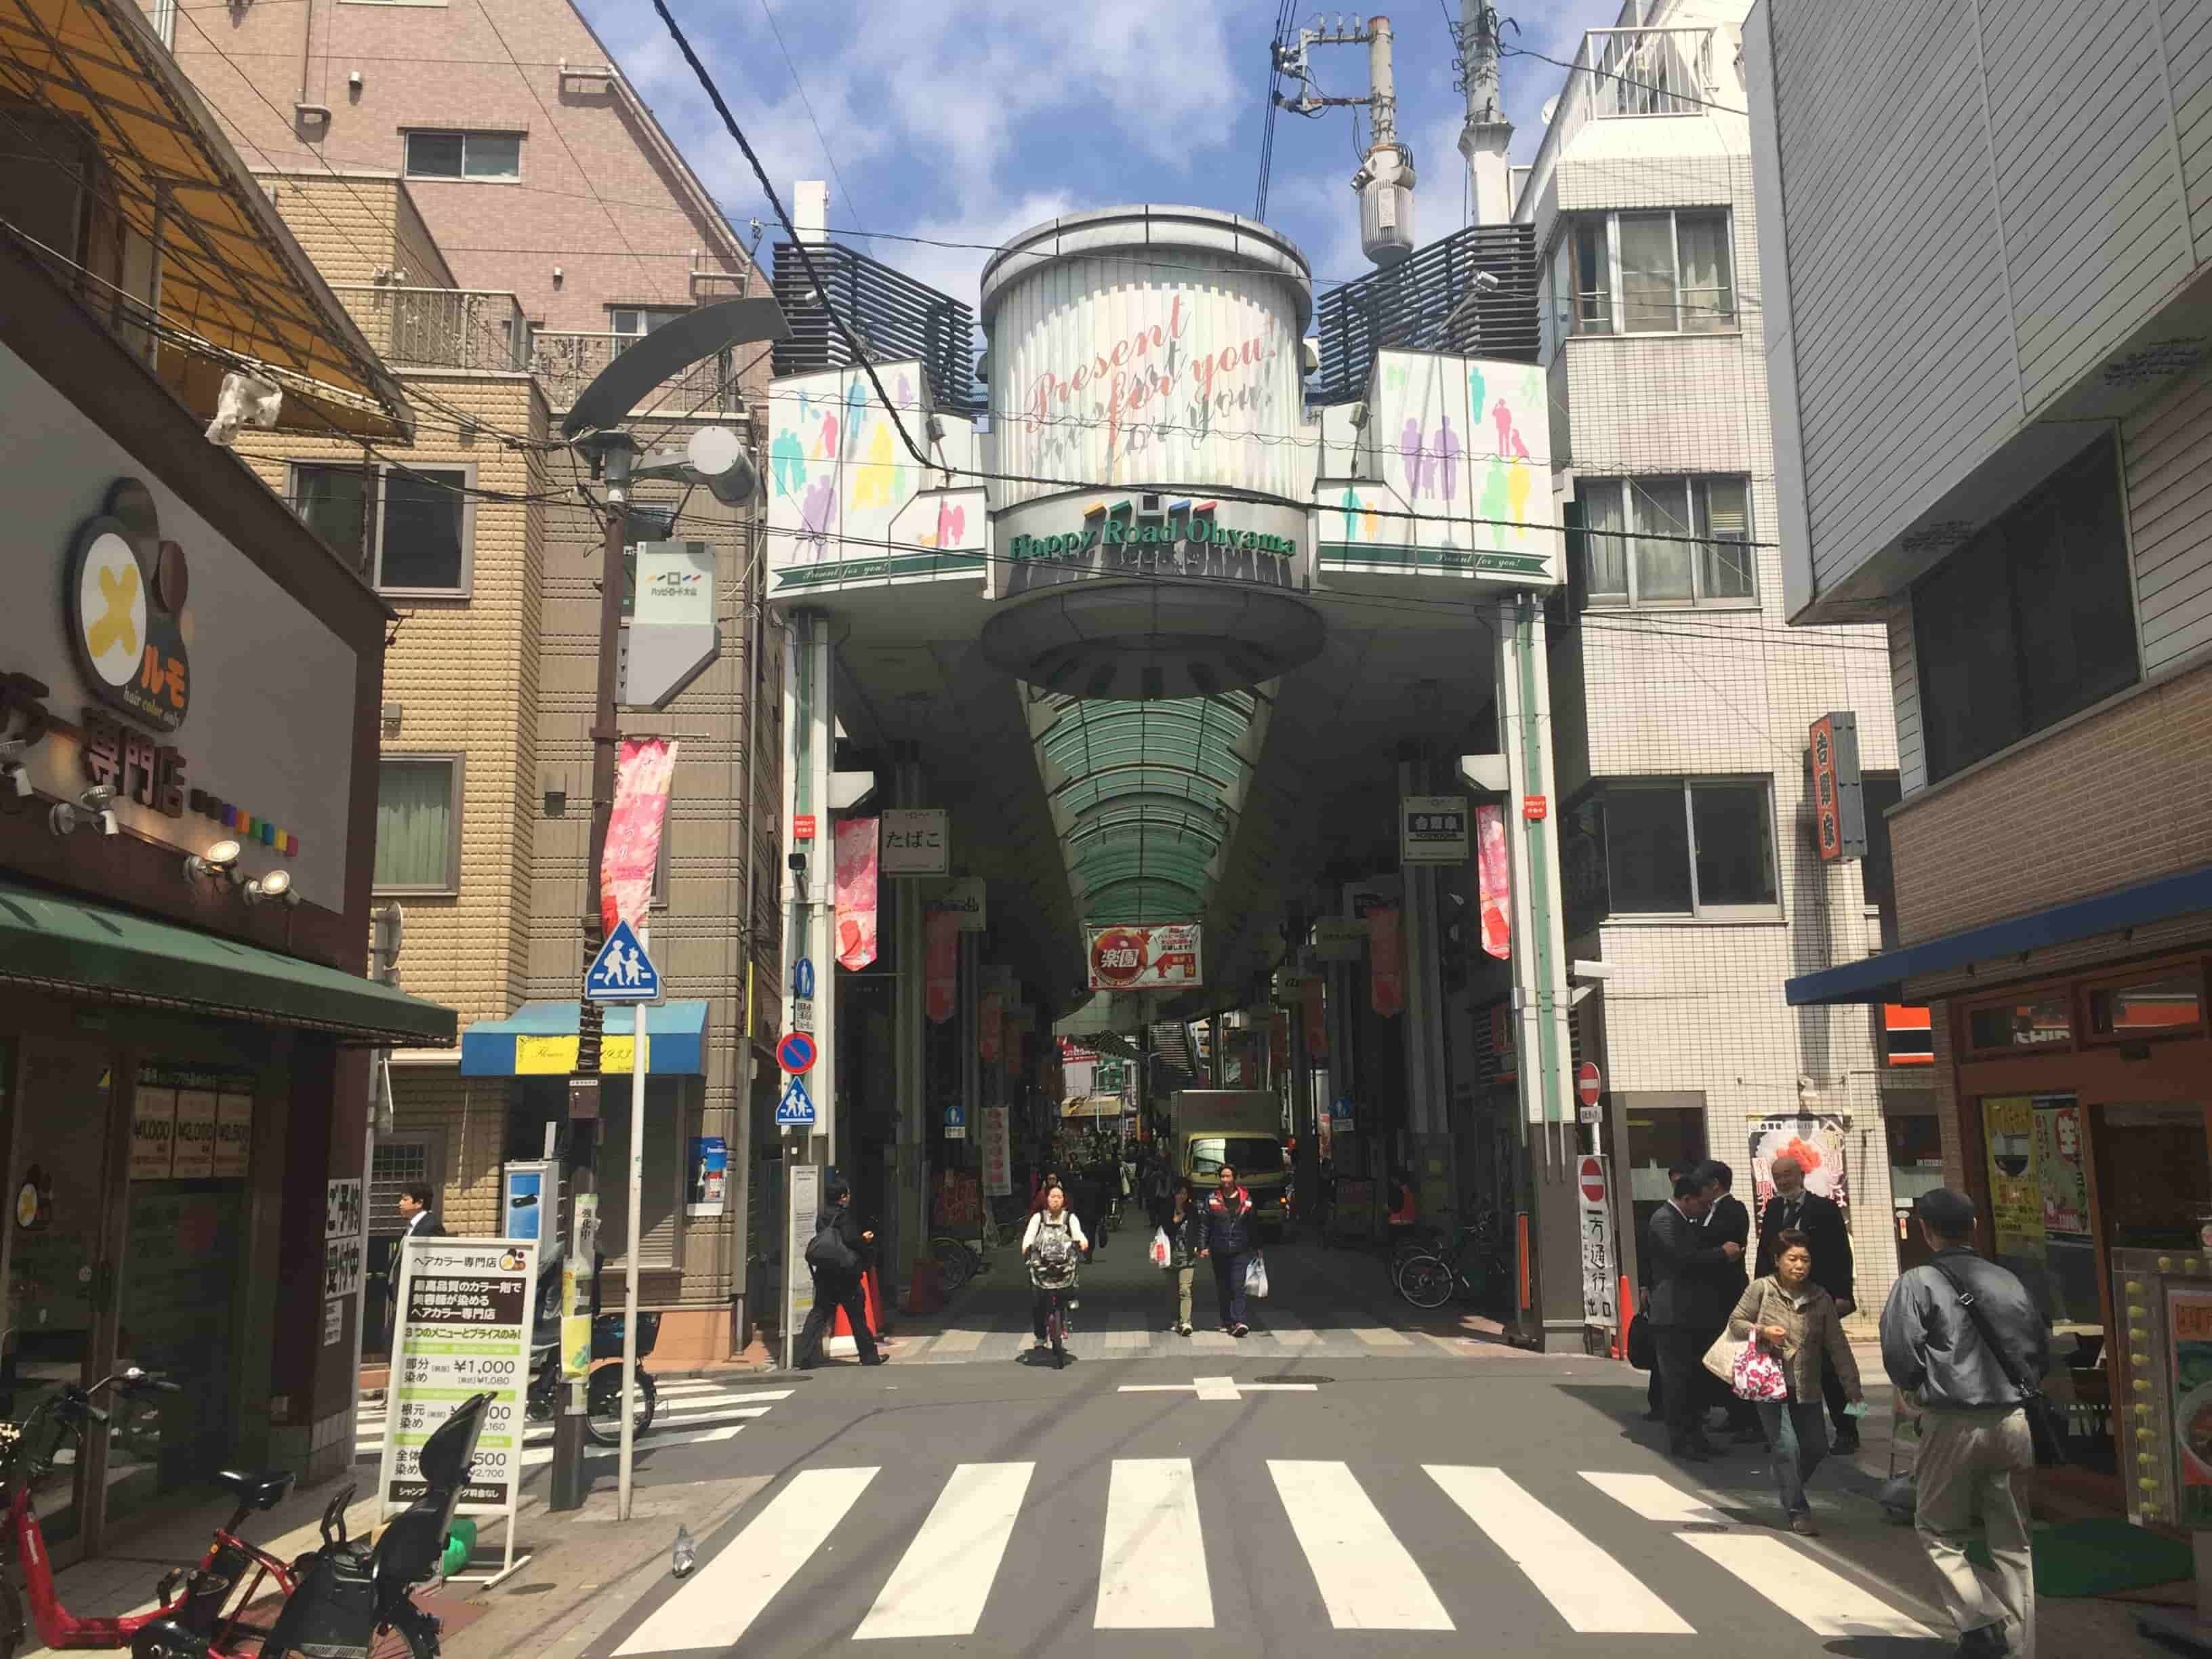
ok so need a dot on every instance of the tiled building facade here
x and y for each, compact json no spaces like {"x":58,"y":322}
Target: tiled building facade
{"x":503,"y":216}
{"x":1681,"y":702}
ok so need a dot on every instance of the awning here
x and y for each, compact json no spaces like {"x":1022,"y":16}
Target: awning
{"x":233,"y":284}
{"x":539,"y":1040}
{"x":1881,"y":979}
{"x":75,"y":949}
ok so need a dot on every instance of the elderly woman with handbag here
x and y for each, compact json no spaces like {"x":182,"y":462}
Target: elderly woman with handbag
{"x":1784,"y":1324}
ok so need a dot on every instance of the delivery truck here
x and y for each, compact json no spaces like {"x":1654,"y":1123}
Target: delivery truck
{"x":1243,"y":1129}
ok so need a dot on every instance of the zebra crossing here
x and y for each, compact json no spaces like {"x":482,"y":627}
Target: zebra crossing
{"x":690,"y":1412}
{"x":1106,"y":1335}
{"x":1441,"y":1548}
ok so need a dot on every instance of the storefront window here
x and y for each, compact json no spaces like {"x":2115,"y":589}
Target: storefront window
{"x":2037,"y":1021}
{"x":2167,"y":1004}
{"x":1915,"y":1166}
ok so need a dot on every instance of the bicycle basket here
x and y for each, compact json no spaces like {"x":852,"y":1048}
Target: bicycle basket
{"x":607,"y":1335}
{"x":1053,"y":1275}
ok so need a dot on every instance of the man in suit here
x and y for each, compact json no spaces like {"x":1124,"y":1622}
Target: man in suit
{"x":1687,"y":1311}
{"x":1728,"y":1222}
{"x":1822,"y":1220}
{"x":417,"y":1220}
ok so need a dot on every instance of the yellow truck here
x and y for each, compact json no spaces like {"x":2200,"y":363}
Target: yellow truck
{"x":1243,"y":1129}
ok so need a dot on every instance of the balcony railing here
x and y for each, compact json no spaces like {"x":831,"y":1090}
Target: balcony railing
{"x":439,"y":327}
{"x":1667,"y":71}
{"x":565,"y":363}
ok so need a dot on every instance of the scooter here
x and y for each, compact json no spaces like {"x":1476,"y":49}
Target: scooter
{"x":347,"y":1593}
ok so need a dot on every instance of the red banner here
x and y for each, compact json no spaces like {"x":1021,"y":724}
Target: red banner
{"x":642,"y":773}
{"x":1315,"y":1022}
{"x":1386,"y":963}
{"x":989,"y":1029}
{"x":941,"y":965}
{"x":1496,"y":882}
{"x":856,"y":892}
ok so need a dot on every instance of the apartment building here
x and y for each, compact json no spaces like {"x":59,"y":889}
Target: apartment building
{"x":2002,"y":450}
{"x":503,"y":216}
{"x":1681,"y":702}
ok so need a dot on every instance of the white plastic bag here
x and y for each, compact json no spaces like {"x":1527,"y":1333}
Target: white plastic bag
{"x":1255,"y":1276}
{"x":1160,"y":1246}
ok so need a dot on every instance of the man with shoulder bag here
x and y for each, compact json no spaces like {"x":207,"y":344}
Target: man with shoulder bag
{"x":835,"y":1256}
{"x":1965,"y":1345}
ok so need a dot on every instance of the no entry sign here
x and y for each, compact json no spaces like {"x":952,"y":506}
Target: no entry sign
{"x":1587,"y":1083}
{"x":795,"y":1054}
{"x":1590,"y":1177}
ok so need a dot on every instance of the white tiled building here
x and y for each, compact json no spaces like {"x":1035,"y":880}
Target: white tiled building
{"x":1681,"y":702}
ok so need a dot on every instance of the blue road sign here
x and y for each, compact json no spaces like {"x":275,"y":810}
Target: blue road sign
{"x":802,"y":977}
{"x":621,"y":972}
{"x":795,"y":1054}
{"x":955,"y":1117}
{"x":1340,"y":1110}
{"x":796,"y":1108}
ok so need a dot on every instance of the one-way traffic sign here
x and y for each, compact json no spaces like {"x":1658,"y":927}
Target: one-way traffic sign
{"x":621,"y":972}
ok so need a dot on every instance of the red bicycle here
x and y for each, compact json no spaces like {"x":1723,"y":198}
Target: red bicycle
{"x":193,"y":1599}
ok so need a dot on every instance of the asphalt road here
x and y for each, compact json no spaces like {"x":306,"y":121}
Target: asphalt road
{"x":1399,"y":1502}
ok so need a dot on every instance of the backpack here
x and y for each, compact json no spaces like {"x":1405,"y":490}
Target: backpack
{"x":1055,"y":1245}
{"x":827,"y":1251}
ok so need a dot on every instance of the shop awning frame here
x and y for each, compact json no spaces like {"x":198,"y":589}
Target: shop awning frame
{"x":539,"y":1040}
{"x":1883,"y":978}
{"x":73,"y":949}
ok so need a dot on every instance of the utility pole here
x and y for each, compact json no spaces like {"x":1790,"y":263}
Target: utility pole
{"x":614,"y":452}
{"x":1486,"y":135}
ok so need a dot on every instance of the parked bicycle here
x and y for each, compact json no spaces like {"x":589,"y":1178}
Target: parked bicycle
{"x":960,"y":1258}
{"x":1474,"y":1262}
{"x":603,"y":1392}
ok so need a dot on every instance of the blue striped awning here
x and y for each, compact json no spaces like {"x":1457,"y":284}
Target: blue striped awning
{"x":539,"y":1040}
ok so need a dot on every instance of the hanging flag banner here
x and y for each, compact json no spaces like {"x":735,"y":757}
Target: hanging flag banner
{"x":1310,"y":1002}
{"x":856,"y":892}
{"x":1386,"y":966}
{"x":941,"y":964}
{"x":988,"y":1029}
{"x":998,"y":1153}
{"x":1124,"y":958}
{"x":1496,"y":882}
{"x":643,"y":771}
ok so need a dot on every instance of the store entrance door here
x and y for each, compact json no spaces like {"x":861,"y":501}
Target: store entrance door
{"x":61,"y":1251}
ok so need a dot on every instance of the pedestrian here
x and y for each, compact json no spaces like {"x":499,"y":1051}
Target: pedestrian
{"x":1186,"y":1229}
{"x":837,"y":1257}
{"x":1655,"y":1406}
{"x":1794,"y":1209}
{"x":1686,"y":1312}
{"x":1975,"y":1440}
{"x":417,"y":1220}
{"x":1050,"y":1180}
{"x":1054,"y":1238}
{"x":1728,"y":1222}
{"x":1795,"y":1319}
{"x":1229,"y":1246}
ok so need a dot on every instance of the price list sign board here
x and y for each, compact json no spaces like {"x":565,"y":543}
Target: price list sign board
{"x":465,"y":1306}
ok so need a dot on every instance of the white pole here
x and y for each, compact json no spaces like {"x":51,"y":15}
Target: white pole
{"x":639,"y":1058}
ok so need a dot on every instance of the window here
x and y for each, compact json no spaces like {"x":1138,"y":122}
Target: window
{"x":2029,"y":622}
{"x":463,"y":156}
{"x":410,"y":528}
{"x":1246,"y":1154}
{"x":2040,"y":1020}
{"x":1668,"y":271}
{"x":2169,"y":1003}
{"x":643,"y":320}
{"x":418,"y":824}
{"x":398,"y":1162}
{"x":1698,"y":847}
{"x":1668,"y":541}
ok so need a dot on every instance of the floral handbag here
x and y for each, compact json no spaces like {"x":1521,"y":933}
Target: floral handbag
{"x":1759,"y":1375}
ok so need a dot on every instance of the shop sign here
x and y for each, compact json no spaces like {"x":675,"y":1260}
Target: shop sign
{"x":234,"y":1134}
{"x":998,"y":1153}
{"x":2016,"y":1193}
{"x":709,"y":1160}
{"x":126,"y":590}
{"x":153,"y":1132}
{"x":1124,"y":958}
{"x":2189,"y":1335}
{"x":966,"y":897}
{"x":192,"y":1126}
{"x":195,"y":1142}
{"x":1340,"y":939}
{"x":1838,"y":796}
{"x":342,"y":1208}
{"x":1051,"y":542}
{"x":1432,"y":829}
{"x":466,"y":1307}
{"x":916,"y":842}
{"x":341,"y":1267}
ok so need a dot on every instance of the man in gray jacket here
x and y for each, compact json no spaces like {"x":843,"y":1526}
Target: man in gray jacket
{"x":1976,"y":1436}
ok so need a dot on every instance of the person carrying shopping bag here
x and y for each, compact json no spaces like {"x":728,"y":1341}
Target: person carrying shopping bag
{"x":1788,"y":1327}
{"x":1181,"y":1237}
{"x":1228,"y":1247}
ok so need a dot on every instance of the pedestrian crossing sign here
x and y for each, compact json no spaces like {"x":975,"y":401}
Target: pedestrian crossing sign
{"x":621,"y":972}
{"x":796,"y":1109}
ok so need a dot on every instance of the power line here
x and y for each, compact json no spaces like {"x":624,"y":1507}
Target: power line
{"x":1626,"y":80}
{"x":807,"y":104}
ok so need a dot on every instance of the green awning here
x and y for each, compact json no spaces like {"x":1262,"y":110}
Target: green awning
{"x":75,"y":949}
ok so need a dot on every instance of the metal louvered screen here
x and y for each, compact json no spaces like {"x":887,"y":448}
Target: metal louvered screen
{"x":1417,"y":306}
{"x":896,"y":318}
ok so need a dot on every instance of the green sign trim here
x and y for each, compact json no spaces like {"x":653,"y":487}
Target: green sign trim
{"x":1347,"y":554}
{"x":890,"y":565}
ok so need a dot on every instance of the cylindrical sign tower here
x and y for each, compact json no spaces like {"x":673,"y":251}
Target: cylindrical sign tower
{"x":1146,"y":376}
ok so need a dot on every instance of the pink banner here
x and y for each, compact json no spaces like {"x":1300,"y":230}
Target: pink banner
{"x":941,"y":964}
{"x":1315,"y":1022}
{"x":856,"y":892}
{"x":642,"y":773}
{"x":989,"y":1028}
{"x":1386,"y":963}
{"x":1496,"y":882}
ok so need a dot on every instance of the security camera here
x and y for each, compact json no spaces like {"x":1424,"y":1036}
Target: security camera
{"x":798,"y":863}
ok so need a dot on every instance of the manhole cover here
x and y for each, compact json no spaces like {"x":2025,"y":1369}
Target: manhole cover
{"x":1289,"y":1376}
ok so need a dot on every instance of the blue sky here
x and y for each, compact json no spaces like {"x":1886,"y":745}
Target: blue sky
{"x":966,"y":120}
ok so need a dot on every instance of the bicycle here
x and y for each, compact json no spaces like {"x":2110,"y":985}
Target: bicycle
{"x":1055,"y":1280}
{"x":192,"y":1599}
{"x":1473,"y":1262}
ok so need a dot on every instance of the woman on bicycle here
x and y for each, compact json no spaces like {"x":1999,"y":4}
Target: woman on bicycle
{"x":1055,"y":1237}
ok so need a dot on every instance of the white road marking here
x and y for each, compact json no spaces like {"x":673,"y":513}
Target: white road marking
{"x":1593,"y":1592}
{"x":1367,"y":1579}
{"x":1129,"y":1331}
{"x":719,"y":1603}
{"x":1376,"y":1336}
{"x":940,"y":1584}
{"x":1153,"y":1575}
{"x":951,"y":1341}
{"x":1822,"y":1600}
{"x":1215,"y":1388}
{"x":1291,"y":1336}
{"x":1655,"y":1499}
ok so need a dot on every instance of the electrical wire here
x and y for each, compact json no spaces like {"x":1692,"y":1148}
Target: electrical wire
{"x":1626,"y":80}
{"x":807,"y":104}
